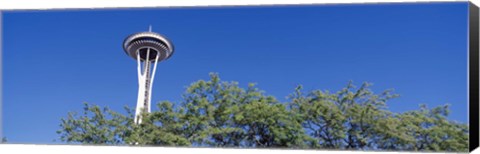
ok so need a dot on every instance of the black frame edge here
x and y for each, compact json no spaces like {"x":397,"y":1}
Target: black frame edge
{"x":473,"y":45}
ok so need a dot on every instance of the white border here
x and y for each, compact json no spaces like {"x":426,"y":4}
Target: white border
{"x":68,"y":149}
{"x":12,"y":5}
{"x":49,"y":4}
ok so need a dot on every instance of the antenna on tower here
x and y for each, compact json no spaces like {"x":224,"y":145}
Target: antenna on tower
{"x":150,"y":28}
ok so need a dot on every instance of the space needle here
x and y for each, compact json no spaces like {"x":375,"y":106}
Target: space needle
{"x":148,"y":49}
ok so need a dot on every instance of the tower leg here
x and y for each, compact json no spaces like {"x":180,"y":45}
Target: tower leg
{"x":145,"y":81}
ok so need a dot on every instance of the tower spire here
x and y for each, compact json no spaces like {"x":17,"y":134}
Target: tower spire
{"x":150,"y":28}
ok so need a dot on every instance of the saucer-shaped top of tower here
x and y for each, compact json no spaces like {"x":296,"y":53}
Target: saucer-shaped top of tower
{"x":144,"y":41}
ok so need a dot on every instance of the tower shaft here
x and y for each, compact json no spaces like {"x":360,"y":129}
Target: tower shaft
{"x":145,"y":81}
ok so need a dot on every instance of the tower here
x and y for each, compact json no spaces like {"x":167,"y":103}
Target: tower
{"x":148,"y":49}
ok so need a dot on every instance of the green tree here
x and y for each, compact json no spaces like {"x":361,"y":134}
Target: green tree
{"x":429,"y":130}
{"x":217,"y":113}
{"x":347,"y":119}
{"x":104,"y":126}
{"x":359,"y":119}
{"x":96,"y":126}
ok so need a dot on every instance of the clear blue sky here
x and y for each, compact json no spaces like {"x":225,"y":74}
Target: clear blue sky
{"x":53,"y":61}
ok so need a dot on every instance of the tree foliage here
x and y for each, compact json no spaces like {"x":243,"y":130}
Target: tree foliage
{"x":217,"y":113}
